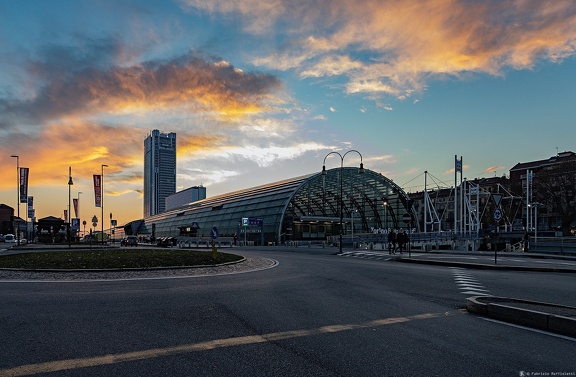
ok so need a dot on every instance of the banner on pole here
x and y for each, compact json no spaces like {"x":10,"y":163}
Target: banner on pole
{"x":97,"y":190}
{"x":23,"y":185}
{"x":75,"y":203}
{"x":30,"y":207}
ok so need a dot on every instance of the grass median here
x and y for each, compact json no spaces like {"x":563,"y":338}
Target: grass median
{"x":114,"y":259}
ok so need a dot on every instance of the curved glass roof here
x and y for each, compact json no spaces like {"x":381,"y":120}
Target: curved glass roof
{"x":307,"y":199}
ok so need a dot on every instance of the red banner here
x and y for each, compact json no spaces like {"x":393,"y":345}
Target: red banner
{"x":75,"y":204}
{"x":98,"y":190}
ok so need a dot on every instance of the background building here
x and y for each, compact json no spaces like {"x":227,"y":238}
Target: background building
{"x":548,"y":189}
{"x":190,"y":195}
{"x":159,"y":171}
{"x":6,"y":219}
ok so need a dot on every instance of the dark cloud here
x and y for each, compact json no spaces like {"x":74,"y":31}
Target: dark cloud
{"x":75,"y":82}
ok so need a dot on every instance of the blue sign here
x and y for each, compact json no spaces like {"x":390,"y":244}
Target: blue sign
{"x":214,"y":232}
{"x":252,"y":221}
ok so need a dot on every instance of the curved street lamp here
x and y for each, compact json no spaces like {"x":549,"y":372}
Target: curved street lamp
{"x":102,"y":200}
{"x":18,"y":198}
{"x":360,"y":171}
{"x":70,"y":183}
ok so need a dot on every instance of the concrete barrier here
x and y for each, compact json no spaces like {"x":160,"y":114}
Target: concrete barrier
{"x":539,"y":315}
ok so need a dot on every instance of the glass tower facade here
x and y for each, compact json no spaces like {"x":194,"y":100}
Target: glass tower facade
{"x":301,"y":208}
{"x":159,"y":171}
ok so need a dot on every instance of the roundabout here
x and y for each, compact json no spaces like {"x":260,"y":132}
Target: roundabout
{"x":59,"y":265}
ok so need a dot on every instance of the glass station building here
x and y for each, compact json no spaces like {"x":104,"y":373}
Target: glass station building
{"x":304,"y":208}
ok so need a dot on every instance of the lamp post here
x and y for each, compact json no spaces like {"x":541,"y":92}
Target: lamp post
{"x":535,"y":205}
{"x":360,"y":171}
{"x":70,"y":183}
{"x":386,"y":215}
{"x":17,"y":198}
{"x":102,"y":200}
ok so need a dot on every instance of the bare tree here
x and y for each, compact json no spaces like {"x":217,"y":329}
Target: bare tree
{"x":555,"y":187}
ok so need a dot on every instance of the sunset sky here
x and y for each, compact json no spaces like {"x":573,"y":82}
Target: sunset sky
{"x":260,"y":91}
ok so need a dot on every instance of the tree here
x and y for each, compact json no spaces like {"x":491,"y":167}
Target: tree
{"x":555,"y":187}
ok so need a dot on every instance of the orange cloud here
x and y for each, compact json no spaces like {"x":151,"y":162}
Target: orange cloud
{"x":85,"y":147}
{"x":393,"y":47}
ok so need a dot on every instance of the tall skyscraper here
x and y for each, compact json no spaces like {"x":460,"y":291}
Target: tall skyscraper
{"x":159,"y":170}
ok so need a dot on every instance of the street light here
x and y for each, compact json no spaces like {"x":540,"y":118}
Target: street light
{"x":535,"y":205}
{"x":386,"y":215}
{"x":102,"y":200}
{"x":360,"y":171}
{"x":18,"y":198}
{"x":70,"y":183}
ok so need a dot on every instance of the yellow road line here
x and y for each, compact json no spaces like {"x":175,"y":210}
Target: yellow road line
{"x":85,"y":362}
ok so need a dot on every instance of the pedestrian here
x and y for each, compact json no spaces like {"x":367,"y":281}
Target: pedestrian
{"x":391,"y":242}
{"x":526,"y":242}
{"x":402,"y":239}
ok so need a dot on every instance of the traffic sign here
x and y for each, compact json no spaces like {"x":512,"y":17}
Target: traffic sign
{"x":497,"y":198}
{"x":214,"y":232}
{"x":407,"y":218}
{"x":497,"y":214}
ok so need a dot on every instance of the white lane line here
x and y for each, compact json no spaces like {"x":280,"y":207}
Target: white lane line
{"x":529,"y":329}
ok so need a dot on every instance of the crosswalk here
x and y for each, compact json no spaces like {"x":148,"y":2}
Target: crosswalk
{"x":366,"y":255}
{"x":467,"y":283}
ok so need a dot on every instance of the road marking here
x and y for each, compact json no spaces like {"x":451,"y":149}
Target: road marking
{"x":365,"y":255}
{"x":467,"y":283}
{"x":86,"y":362}
{"x":529,"y":329}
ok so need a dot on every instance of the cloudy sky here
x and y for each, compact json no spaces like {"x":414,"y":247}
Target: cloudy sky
{"x":259,"y":91}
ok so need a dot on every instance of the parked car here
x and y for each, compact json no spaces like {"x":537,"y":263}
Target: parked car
{"x":10,"y":238}
{"x":166,"y":241}
{"x":129,"y":241}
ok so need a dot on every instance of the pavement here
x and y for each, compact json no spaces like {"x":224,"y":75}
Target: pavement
{"x":540,"y":315}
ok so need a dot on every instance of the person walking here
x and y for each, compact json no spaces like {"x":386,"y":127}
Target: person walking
{"x":402,"y":239}
{"x":391,"y":242}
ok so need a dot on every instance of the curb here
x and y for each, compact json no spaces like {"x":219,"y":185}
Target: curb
{"x":539,"y":315}
{"x":485,"y":266}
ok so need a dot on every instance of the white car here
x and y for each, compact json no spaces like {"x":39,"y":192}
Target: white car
{"x":10,"y":238}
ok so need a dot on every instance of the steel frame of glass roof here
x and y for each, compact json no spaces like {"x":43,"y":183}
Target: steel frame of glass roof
{"x":310,"y":199}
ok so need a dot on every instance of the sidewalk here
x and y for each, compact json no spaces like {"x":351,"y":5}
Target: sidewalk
{"x":515,"y":261}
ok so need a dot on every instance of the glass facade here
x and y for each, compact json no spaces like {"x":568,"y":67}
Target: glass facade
{"x":302,"y":208}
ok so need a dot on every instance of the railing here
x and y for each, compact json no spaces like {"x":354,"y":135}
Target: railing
{"x":204,"y":242}
{"x":553,"y":244}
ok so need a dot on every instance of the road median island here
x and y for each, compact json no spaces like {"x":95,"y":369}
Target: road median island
{"x":114,"y":259}
{"x":559,"y":319}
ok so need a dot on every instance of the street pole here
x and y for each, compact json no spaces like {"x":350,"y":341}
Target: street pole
{"x":78,"y":206}
{"x":102,"y":200}
{"x":18,"y":198}
{"x":70,"y":183}
{"x":341,"y":201}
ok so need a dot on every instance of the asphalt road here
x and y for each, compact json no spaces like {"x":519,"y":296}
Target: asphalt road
{"x":311,"y":315}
